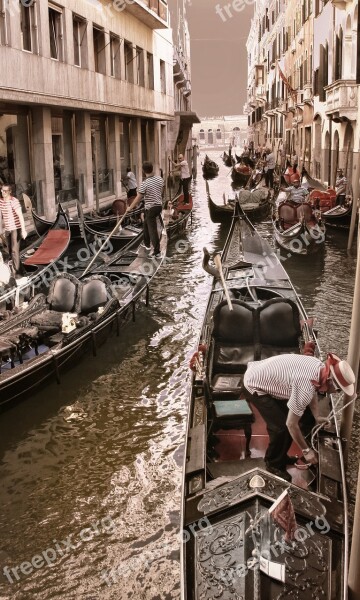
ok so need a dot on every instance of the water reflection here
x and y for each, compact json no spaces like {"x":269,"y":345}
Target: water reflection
{"x":108,"y":442}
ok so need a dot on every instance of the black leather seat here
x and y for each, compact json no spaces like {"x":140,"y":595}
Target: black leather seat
{"x":64,"y":296}
{"x":233,"y":337}
{"x":279,"y":327}
{"x":94,"y":293}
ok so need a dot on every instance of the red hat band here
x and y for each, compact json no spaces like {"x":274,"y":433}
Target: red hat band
{"x":339,"y":376}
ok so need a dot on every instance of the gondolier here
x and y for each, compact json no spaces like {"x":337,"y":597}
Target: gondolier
{"x":295,"y":192}
{"x":283,"y":389}
{"x":12,"y":221}
{"x":151,"y":189}
{"x":340,"y":187}
{"x":185,"y":176}
{"x":131,"y":183}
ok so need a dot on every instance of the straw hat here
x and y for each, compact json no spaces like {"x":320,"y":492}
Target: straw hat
{"x":343,"y":375}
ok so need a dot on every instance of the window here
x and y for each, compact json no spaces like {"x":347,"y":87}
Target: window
{"x":80,"y":41}
{"x":139,"y":62}
{"x":162,"y":77}
{"x":150,"y":70}
{"x":338,"y":55}
{"x":15,"y":151}
{"x":28,"y":26}
{"x":218,"y":134}
{"x":129,"y":62}
{"x":56,"y":32}
{"x":201,"y":134}
{"x":102,"y":175}
{"x":115,"y":62}
{"x":99,"y":50}
{"x":3,"y":23}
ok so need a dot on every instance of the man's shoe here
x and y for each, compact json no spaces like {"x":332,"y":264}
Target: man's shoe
{"x":157,"y":256}
{"x":279,"y":473}
{"x":291,"y":460}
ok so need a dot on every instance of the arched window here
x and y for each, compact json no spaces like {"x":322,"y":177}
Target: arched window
{"x":210,"y":136}
{"x":201,"y":134}
{"x":218,"y":134}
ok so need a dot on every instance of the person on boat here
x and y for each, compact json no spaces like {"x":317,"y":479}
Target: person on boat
{"x":12,"y":222}
{"x":151,"y":190}
{"x":295,"y":192}
{"x":131,"y":183}
{"x":185,"y":177}
{"x":270,"y":167}
{"x":340,"y":187}
{"x":285,"y":389}
{"x":294,"y":161}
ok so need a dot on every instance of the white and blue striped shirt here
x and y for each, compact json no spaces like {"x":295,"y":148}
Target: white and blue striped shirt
{"x":286,"y":377}
{"x":152,"y":189}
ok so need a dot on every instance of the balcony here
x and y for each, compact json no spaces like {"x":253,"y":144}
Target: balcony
{"x":341,"y":100}
{"x":340,"y":4}
{"x":180,"y":73}
{"x":154,"y":13}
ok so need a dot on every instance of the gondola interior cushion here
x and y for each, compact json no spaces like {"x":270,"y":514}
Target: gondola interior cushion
{"x":64,"y":293}
{"x":233,"y":335}
{"x":305,"y":210}
{"x":279,"y":327}
{"x":94,"y":294}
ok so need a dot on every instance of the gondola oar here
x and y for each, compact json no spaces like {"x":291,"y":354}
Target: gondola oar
{"x":106,"y":241}
{"x":217,"y":261}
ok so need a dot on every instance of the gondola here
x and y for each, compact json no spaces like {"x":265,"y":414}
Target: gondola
{"x":99,"y":223}
{"x":255,"y":204}
{"x":298,"y":228}
{"x":38,"y":259}
{"x":240,"y":174}
{"x":228,"y":160}
{"x":55,"y":329}
{"x":231,"y":547}
{"x":42,"y":225}
{"x":339,"y":217}
{"x":179,"y":215}
{"x":210,"y":168}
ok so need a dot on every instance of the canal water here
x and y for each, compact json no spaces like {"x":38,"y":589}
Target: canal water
{"x":91,"y":469}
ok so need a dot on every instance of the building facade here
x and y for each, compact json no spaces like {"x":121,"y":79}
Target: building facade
{"x":221,"y":132}
{"x":303,"y":81}
{"x":88,"y":90}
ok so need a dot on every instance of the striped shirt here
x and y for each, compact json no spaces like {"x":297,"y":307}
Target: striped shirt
{"x":10,"y":218}
{"x":298,"y":195}
{"x":286,"y":377}
{"x":151,"y":188}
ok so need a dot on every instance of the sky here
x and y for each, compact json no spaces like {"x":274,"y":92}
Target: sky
{"x":218,"y":55}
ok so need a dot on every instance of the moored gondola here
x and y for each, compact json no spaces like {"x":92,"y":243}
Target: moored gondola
{"x":38,"y":259}
{"x":232,"y":547}
{"x":298,"y":228}
{"x":55,"y":329}
{"x":241,"y":173}
{"x":99,"y":223}
{"x":179,"y":215}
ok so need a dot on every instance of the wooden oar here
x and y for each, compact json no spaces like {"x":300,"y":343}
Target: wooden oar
{"x":104,"y":243}
{"x":217,"y":261}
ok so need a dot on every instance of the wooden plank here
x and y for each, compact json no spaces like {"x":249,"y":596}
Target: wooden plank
{"x":196,"y":456}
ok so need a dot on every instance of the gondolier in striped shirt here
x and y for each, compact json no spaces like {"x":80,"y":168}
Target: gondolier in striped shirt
{"x":284,"y":390}
{"x":12,"y":222}
{"x":151,"y":189}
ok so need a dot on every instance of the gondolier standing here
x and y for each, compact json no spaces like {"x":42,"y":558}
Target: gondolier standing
{"x":283,"y":389}
{"x":185,"y":176}
{"x":131,"y":183}
{"x":151,"y":189}
{"x":270,"y":167}
{"x":12,"y":221}
{"x":340,"y":187}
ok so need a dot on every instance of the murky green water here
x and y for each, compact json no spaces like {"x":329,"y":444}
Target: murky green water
{"x":91,"y":469}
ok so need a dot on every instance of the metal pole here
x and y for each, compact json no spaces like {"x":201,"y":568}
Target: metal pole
{"x":355,"y":194}
{"x":96,"y":173}
{"x":353,"y":358}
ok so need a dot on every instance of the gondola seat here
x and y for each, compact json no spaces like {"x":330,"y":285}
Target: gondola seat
{"x":94,"y":294}
{"x":279,"y":327}
{"x":63,"y":297}
{"x":233,"y":337}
